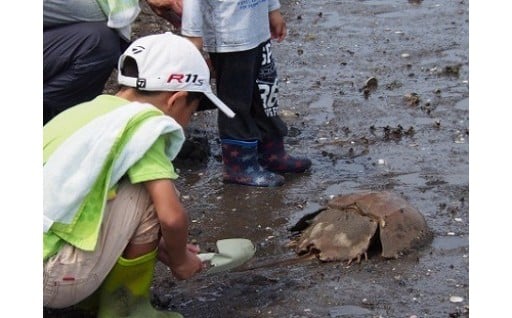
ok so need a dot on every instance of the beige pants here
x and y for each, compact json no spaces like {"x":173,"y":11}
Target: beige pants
{"x":72,"y":274}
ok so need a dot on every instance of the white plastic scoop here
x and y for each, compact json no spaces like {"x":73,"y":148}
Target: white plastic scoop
{"x":232,"y":253}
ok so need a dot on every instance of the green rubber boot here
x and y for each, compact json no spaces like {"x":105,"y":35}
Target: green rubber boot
{"x":125,"y":292}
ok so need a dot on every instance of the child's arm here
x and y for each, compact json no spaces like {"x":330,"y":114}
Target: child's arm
{"x":170,"y":10}
{"x":277,"y":25}
{"x":192,"y":25}
{"x":173,"y":249}
{"x":192,"y":22}
{"x":198,"y":42}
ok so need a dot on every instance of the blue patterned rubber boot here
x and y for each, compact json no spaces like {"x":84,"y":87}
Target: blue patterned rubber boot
{"x":273,"y":157}
{"x":240,"y":159}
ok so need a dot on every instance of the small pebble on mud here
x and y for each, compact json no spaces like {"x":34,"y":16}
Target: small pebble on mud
{"x":456,"y":299}
{"x":371,"y":83}
{"x":412,"y":99}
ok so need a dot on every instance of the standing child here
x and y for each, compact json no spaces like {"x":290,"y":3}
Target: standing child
{"x":110,"y":205}
{"x":237,"y":35}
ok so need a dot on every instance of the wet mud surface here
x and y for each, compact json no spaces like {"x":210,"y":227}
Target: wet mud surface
{"x":406,"y":130}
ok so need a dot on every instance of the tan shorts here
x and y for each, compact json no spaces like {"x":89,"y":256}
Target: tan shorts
{"x":72,"y":274}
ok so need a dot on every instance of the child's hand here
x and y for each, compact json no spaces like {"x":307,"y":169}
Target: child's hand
{"x":277,"y":25}
{"x":171,"y":10}
{"x":191,"y":266}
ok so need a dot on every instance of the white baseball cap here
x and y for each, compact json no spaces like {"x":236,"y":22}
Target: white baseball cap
{"x":169,"y":62}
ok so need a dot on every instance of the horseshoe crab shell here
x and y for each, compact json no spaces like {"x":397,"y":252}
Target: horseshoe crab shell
{"x":346,"y":228}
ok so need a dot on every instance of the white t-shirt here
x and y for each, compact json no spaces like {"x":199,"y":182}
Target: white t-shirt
{"x":228,"y":26}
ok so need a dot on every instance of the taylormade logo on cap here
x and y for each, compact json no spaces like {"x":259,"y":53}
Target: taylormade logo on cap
{"x":168,"y":62}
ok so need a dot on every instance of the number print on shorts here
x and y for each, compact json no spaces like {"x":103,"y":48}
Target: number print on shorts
{"x":267,"y":82}
{"x":268,"y":93}
{"x":267,"y":55}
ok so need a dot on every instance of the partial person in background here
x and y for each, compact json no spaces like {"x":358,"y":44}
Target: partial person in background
{"x":82,"y":41}
{"x":237,"y":36}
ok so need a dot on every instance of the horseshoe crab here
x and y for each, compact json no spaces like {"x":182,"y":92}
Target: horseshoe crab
{"x":352,"y":223}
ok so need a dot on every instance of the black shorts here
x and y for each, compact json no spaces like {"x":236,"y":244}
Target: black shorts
{"x":247,"y":82}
